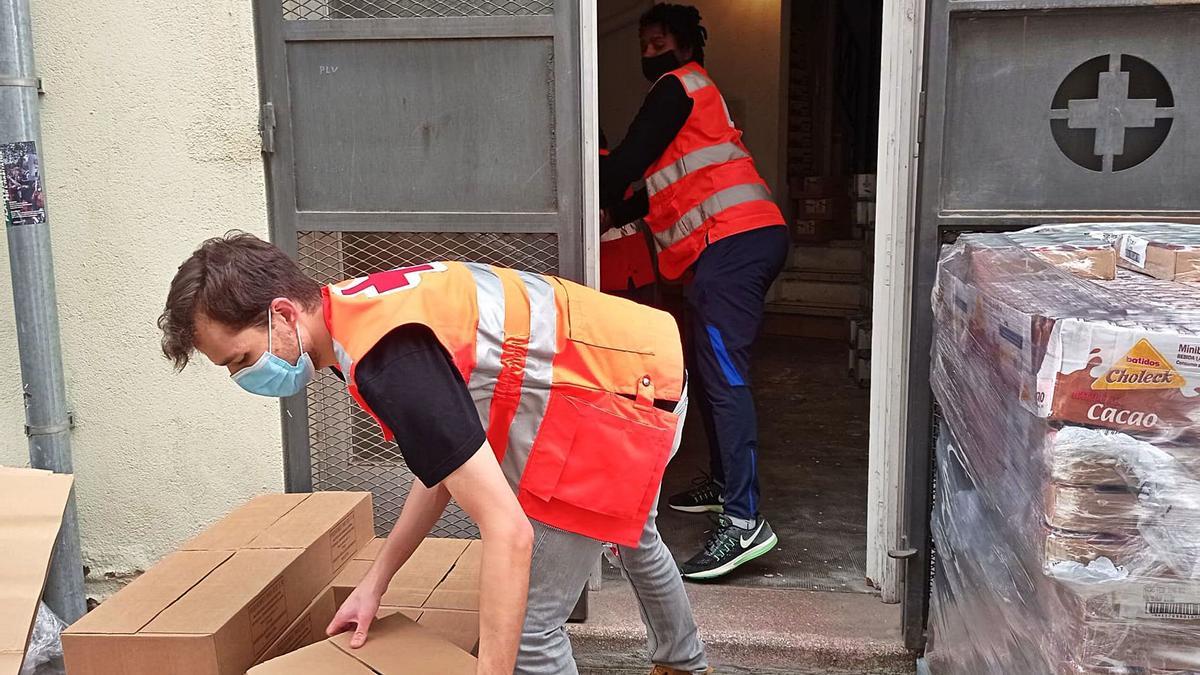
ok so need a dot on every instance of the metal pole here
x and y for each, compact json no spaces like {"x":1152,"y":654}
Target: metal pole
{"x":48,"y":423}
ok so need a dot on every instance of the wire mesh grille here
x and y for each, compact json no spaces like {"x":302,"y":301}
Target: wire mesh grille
{"x":347,"y":449}
{"x":323,"y":10}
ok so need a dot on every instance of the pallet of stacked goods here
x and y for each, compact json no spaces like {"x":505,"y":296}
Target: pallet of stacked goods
{"x":1067,"y":521}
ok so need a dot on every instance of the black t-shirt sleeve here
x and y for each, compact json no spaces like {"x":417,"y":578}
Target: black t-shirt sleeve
{"x":409,"y":381}
{"x":631,"y":209}
{"x":662,"y":115}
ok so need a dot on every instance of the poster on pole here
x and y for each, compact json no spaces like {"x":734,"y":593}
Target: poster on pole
{"x":24,"y":198}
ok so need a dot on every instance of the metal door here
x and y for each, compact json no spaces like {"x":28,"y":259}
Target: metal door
{"x":1041,"y":111}
{"x":402,"y":131}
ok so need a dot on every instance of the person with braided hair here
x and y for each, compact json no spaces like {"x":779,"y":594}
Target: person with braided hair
{"x":717,"y":230}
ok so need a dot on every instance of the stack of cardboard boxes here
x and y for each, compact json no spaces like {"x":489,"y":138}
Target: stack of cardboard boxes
{"x":862,"y":189}
{"x":823,"y":209}
{"x":1067,"y":523}
{"x":254,"y":586}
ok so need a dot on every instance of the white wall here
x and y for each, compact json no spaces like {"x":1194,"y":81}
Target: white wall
{"x":742,"y":55}
{"x":150,"y":144}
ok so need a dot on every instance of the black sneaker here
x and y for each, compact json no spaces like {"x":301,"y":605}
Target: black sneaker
{"x":707,"y":495}
{"x":728,"y":548}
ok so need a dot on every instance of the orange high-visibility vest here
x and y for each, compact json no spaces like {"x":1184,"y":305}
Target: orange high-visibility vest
{"x":704,"y":187}
{"x":563,"y":378}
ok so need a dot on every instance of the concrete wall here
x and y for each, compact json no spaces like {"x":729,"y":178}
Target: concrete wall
{"x":149,"y":145}
{"x":742,"y":55}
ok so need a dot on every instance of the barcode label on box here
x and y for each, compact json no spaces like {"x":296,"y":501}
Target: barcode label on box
{"x":1133,"y":250}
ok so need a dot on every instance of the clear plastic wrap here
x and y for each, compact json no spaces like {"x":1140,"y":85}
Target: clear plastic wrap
{"x":1066,"y":522}
{"x":43,"y":652}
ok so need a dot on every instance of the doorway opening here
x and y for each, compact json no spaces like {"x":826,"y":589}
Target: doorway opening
{"x":801,"y":80}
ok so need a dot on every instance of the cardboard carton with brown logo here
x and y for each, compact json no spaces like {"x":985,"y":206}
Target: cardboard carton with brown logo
{"x":1133,"y":379}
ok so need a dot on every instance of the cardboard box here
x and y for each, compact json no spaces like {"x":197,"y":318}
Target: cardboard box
{"x":396,"y":645}
{"x":819,"y":186}
{"x":1132,"y":379}
{"x":1171,"y":254}
{"x":415,"y":581}
{"x":329,"y":527}
{"x":371,"y":550}
{"x":818,"y":231}
{"x":862,"y":186}
{"x":460,"y":589}
{"x":32,"y":502}
{"x":196,"y":612}
{"x":461,"y":628}
{"x":864,"y":213}
{"x":308,"y":628}
{"x":825,"y":208}
{"x":1090,"y":509}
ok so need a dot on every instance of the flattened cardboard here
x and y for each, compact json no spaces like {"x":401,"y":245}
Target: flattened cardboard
{"x":208,"y":612}
{"x":31,"y":510}
{"x":460,"y":589}
{"x":415,"y":581}
{"x":396,"y":646}
{"x":308,"y":628}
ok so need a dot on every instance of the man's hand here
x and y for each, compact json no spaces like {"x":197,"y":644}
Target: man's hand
{"x":357,"y":612}
{"x":606,"y":221}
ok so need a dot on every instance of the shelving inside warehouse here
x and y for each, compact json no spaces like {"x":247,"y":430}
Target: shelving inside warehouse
{"x":824,"y":290}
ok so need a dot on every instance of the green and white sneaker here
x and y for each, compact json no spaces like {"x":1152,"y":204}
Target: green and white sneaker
{"x":704,"y":497}
{"x":728,"y":548}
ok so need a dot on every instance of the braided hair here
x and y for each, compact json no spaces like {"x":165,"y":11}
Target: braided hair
{"x":682,"y":21}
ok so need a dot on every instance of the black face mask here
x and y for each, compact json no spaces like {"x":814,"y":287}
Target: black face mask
{"x":654,"y":67}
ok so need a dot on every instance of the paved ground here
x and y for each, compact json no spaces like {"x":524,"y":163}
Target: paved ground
{"x":813,"y":466}
{"x":753,"y":630}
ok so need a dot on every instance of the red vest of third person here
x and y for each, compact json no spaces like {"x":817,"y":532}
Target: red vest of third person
{"x":704,"y":187}
{"x":563,"y":378}
{"x":624,"y":256}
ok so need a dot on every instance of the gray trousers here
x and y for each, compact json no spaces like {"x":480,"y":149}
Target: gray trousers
{"x":562,"y":562}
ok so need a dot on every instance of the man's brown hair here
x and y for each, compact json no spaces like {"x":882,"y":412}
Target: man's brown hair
{"x":231,"y":280}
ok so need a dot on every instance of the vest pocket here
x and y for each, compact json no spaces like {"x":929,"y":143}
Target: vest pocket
{"x":601,"y":320}
{"x":606,"y":457}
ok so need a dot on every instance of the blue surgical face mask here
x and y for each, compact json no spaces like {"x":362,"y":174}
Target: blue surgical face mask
{"x":272,"y":376}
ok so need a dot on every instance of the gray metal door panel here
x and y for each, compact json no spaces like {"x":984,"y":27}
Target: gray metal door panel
{"x":1043,"y":111}
{"x":402,"y":131}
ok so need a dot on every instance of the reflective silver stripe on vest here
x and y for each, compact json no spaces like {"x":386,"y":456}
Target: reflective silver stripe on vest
{"x":694,"y":218}
{"x":693,"y":82}
{"x":489,"y":338}
{"x":539,"y":370}
{"x":691,"y":162}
